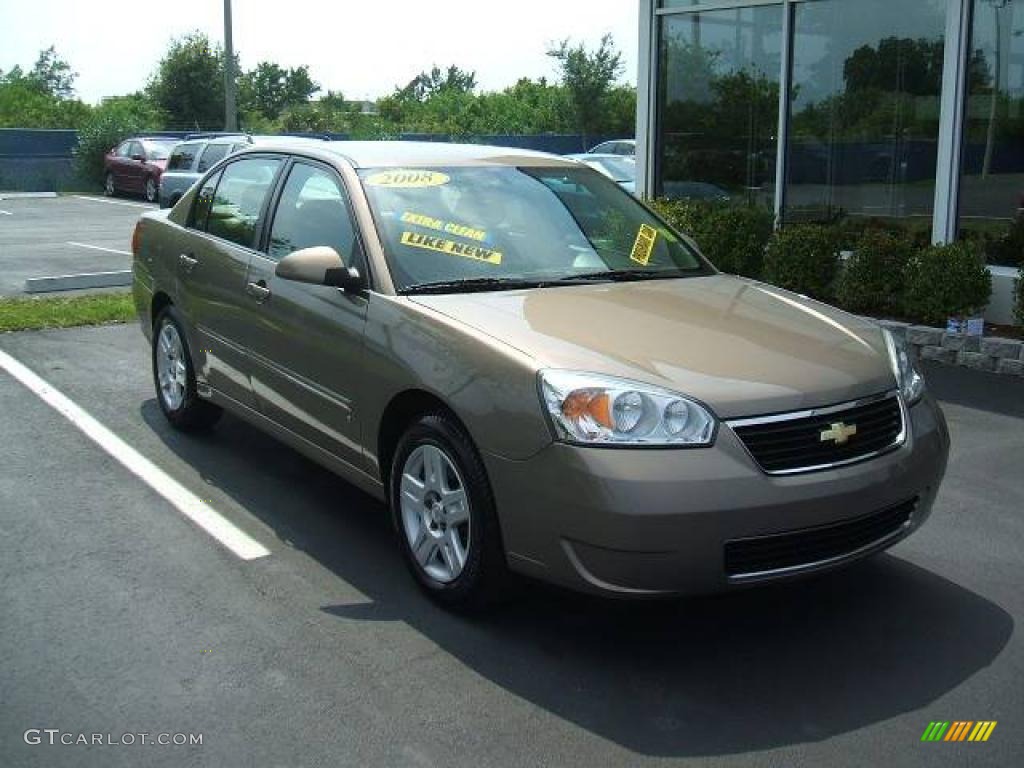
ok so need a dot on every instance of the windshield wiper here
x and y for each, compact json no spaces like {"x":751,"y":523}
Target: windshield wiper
{"x":625,"y":275}
{"x":470,"y":284}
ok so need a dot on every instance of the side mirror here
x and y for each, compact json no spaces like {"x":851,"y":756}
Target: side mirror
{"x":319,"y":265}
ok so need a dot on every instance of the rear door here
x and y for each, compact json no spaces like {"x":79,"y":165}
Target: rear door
{"x":135,"y":169}
{"x":226,"y":222}
{"x":305,"y":342}
{"x":120,"y":165}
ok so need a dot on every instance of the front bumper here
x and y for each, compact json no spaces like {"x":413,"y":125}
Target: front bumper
{"x":636,"y":522}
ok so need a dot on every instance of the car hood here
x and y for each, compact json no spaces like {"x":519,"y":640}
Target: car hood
{"x":741,"y":346}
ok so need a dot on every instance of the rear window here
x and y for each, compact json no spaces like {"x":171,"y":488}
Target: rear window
{"x":183,"y":156}
{"x":158,"y":150}
{"x":213,"y":154}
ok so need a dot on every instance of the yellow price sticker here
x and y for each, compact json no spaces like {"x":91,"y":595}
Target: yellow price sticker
{"x":407,"y":178}
{"x":450,"y":227}
{"x":643,"y":246}
{"x":452,"y":248}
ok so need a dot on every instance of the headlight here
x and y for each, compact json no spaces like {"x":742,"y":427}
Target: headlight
{"x":593,"y":409}
{"x":908,"y":378}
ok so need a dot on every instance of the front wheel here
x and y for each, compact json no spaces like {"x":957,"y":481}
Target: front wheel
{"x":151,"y":190}
{"x":445,"y":515}
{"x":175,"y":377}
{"x":108,"y":185}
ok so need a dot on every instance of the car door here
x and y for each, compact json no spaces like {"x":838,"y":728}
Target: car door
{"x":135,"y":167}
{"x":120,"y":165}
{"x":226,"y":225}
{"x":305,"y":343}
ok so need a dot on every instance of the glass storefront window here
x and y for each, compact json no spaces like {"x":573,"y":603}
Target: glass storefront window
{"x":992,"y":185}
{"x":864,"y":125}
{"x":718,"y":104}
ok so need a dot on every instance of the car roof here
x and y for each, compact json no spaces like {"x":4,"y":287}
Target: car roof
{"x":587,"y":156}
{"x":374,"y":154}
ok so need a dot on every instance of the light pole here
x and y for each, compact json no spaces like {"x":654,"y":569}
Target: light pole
{"x":230,"y":113}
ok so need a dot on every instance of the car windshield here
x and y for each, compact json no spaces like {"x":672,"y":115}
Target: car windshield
{"x":488,"y":227}
{"x":619,"y":168}
{"x":158,"y":150}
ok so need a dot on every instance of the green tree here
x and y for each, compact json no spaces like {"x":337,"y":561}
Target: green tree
{"x":115,"y":119}
{"x":269,"y":89}
{"x":589,"y":78}
{"x":427,"y":84}
{"x":189,"y":83}
{"x":52,"y":75}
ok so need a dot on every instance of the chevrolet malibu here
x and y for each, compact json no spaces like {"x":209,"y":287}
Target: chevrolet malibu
{"x":536,"y":373}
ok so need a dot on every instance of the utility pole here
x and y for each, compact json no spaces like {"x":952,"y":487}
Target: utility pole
{"x":230,"y":113}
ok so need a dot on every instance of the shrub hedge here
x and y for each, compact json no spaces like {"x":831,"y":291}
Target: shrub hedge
{"x":871,"y":282}
{"x":804,"y":258}
{"x":945,"y":280}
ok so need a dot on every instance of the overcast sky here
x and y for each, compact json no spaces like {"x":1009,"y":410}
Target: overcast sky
{"x":363,"y":48}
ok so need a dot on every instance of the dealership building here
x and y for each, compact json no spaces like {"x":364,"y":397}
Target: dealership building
{"x":902,"y":110}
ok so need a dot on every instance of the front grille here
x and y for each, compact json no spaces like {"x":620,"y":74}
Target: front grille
{"x":805,"y":548}
{"x":782,"y":445}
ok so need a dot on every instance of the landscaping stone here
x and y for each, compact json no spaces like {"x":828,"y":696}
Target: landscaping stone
{"x":963,"y":343}
{"x":1009,"y":348}
{"x":923,"y":336}
{"x":1012,"y":367}
{"x":978,"y":361}
{"x":939,"y":354}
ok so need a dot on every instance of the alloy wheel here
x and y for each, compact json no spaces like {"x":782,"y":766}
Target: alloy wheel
{"x":435,"y":513}
{"x":170,"y":367}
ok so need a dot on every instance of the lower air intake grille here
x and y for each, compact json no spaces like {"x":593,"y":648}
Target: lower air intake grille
{"x":807,"y":547}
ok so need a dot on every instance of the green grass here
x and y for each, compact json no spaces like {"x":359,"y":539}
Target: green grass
{"x":22,"y":314}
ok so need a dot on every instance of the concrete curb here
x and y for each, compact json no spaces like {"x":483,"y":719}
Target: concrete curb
{"x":76,"y":282}
{"x":25,"y":195}
{"x":979,"y":352}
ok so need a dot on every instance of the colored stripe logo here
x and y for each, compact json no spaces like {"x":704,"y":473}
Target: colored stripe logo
{"x":959,"y":730}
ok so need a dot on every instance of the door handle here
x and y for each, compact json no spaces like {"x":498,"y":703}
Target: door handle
{"x":188,"y":263}
{"x":258,"y":291}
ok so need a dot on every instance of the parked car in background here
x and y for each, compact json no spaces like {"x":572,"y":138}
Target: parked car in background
{"x":135,"y":166}
{"x":620,"y":169}
{"x":192,"y":158}
{"x":536,"y":372}
{"x":614,"y":147}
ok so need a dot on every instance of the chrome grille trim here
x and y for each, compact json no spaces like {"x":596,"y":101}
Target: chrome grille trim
{"x":779,"y":418}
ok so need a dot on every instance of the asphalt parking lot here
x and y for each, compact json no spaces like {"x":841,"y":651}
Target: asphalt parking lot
{"x":42,"y":237}
{"x":121,"y":616}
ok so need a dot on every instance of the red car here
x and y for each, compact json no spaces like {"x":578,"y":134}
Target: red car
{"x":135,"y":166}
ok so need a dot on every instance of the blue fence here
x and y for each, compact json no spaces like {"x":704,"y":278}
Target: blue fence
{"x":41,"y":160}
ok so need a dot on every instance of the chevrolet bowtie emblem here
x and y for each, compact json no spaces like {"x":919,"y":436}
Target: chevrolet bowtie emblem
{"x":838,"y":433}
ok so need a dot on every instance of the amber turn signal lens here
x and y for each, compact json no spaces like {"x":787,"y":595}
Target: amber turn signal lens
{"x":583,"y":403}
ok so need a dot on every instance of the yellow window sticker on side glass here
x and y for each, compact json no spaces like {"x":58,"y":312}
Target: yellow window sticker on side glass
{"x":439,"y":244}
{"x":407,"y":178}
{"x":643,"y":246}
{"x":451,"y":227}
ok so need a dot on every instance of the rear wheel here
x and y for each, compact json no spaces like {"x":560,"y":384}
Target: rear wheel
{"x":444,"y":514}
{"x":175,"y":377}
{"x":151,"y":190}
{"x":108,"y":185}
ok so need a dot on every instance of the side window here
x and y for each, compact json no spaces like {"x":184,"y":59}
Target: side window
{"x":204,"y":200}
{"x":211,"y":155}
{"x":135,"y":149}
{"x":182,"y":156}
{"x":123,"y":149}
{"x":237,"y":203}
{"x":314,"y":210}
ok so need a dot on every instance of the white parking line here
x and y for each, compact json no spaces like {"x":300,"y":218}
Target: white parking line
{"x":186,"y":502}
{"x":6,"y":213}
{"x":99,"y":248}
{"x":115,"y":202}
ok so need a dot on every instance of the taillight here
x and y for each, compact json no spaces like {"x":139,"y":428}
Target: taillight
{"x":136,"y":238}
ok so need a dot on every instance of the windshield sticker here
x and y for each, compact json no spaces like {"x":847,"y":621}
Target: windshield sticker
{"x":643,"y":246}
{"x":451,"y":227}
{"x":431,"y":243}
{"x":404,"y":178}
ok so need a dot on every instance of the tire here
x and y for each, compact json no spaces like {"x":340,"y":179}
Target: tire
{"x":108,"y":185}
{"x":416,"y":498}
{"x":150,"y":190}
{"x":175,"y":379}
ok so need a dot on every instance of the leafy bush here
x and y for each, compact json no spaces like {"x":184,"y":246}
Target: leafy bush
{"x":943,"y":281}
{"x":733,"y":237}
{"x":1019,"y":309}
{"x":109,"y":124}
{"x":872,"y":280}
{"x":1008,"y":248}
{"x":804,"y":258}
